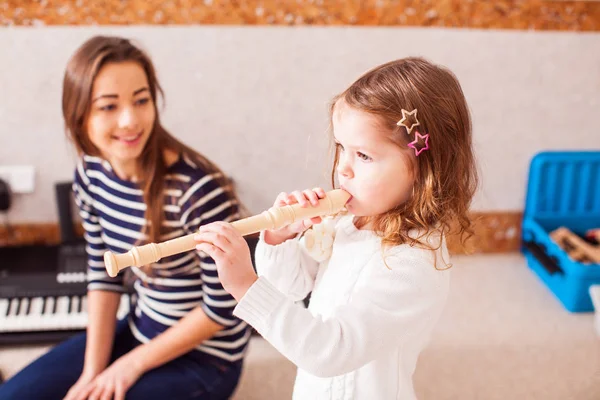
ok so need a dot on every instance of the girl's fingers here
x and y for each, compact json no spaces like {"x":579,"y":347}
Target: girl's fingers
{"x":217,"y":239}
{"x":300,"y":198}
{"x":320,"y":192}
{"x":303,"y":198}
{"x":214,"y":252}
{"x":281,"y":199}
{"x":312,"y":197}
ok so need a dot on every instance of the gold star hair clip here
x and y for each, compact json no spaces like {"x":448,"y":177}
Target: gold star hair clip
{"x":405,"y":116}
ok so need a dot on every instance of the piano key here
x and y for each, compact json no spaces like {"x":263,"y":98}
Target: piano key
{"x":48,"y":306}
{"x":10,"y":320}
{"x":76,"y":317}
{"x":80,"y":304}
{"x":4,"y":307}
{"x":39,"y":314}
{"x":14,"y":307}
{"x":24,"y":306}
{"x":20,"y":322}
{"x":37,"y":307}
{"x":62,"y":311}
{"x":47,"y":314}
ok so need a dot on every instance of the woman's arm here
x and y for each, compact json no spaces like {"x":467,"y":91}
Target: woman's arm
{"x":102,"y":311}
{"x":103,"y":291}
{"x":182,"y":337}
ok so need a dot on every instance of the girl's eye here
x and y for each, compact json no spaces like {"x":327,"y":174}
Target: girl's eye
{"x":363,"y":156}
{"x":108,"y":107}
{"x":143,"y":101}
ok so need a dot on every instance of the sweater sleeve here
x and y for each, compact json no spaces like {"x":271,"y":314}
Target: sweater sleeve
{"x":287,"y":266}
{"x":98,"y":278}
{"x":395,"y":300}
{"x":204,"y":202}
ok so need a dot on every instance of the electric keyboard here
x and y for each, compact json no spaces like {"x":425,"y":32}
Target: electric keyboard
{"x":37,"y":305}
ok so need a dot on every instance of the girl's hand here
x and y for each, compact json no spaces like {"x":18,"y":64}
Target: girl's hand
{"x":222,"y":242}
{"x":305,"y":198}
{"x":113,"y":381}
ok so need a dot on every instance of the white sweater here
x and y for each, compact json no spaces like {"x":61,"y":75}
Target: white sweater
{"x":367,"y":321}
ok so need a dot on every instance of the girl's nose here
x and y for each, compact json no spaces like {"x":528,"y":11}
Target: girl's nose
{"x":344,"y":168}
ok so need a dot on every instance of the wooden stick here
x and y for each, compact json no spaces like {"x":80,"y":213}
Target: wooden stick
{"x":273,"y":218}
{"x":577,"y":249}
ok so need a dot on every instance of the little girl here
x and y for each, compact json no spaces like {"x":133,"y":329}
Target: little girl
{"x":404,"y":153}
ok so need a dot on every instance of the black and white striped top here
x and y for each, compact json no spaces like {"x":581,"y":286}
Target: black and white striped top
{"x":112,"y":210}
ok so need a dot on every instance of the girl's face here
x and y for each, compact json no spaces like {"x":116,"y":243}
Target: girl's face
{"x":372,"y":168}
{"x":122,"y":112}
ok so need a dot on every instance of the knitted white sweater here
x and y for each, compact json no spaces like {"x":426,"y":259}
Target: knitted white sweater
{"x":368,"y":319}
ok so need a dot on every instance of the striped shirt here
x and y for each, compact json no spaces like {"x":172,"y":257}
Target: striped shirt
{"x":112,"y":211}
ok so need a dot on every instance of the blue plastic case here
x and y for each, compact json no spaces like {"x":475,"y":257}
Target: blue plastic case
{"x":563,"y":190}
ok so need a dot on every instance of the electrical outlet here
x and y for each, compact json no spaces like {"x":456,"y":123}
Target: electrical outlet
{"x":21,"y":178}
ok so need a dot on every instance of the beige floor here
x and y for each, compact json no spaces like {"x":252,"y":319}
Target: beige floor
{"x":502,"y":336}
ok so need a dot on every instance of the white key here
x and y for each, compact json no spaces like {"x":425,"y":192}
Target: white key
{"x":84,"y":304}
{"x":74,"y":315}
{"x":4,"y":304}
{"x":81,"y":319}
{"x":14,"y":308}
{"x":47,"y":320}
{"x":4,"y":307}
{"x":22,"y":321}
{"x":62,"y":312}
{"x":11,"y":320}
{"x":49,"y":306}
{"x":84,"y":311}
{"x":35,"y":314}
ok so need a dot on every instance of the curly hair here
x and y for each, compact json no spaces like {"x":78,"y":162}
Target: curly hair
{"x":446,"y":175}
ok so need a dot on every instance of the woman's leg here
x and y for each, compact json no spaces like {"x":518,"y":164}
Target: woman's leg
{"x":52,"y":375}
{"x":186,"y":378}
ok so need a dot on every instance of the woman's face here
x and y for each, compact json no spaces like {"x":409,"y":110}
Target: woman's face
{"x":122,"y":112}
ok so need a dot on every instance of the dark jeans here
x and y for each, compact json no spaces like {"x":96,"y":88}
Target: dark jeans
{"x":190,"y":376}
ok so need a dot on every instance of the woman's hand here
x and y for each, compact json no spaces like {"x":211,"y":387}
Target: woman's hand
{"x":224,"y":244}
{"x":113,"y":382}
{"x":77,"y":390}
{"x":305,"y":198}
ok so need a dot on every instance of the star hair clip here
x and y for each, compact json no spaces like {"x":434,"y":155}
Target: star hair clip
{"x":414,"y":122}
{"x":406,"y":115}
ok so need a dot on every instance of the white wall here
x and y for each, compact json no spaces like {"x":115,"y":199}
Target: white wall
{"x":254,"y":99}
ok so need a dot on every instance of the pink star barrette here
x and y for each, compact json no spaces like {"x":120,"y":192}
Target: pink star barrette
{"x":414,"y":143}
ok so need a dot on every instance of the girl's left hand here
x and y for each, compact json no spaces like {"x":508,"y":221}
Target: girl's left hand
{"x":114,"y":380}
{"x":222,"y":242}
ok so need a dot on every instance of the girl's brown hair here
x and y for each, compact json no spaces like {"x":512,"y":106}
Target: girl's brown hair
{"x":80,"y":74}
{"x":445,"y":175}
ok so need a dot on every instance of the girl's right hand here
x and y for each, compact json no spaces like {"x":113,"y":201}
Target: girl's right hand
{"x":306,"y":198}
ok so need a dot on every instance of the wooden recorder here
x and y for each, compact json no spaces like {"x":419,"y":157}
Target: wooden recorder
{"x":273,"y":218}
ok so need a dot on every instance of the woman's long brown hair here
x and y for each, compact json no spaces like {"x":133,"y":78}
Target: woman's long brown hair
{"x":80,"y":74}
{"x":445,"y":175}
